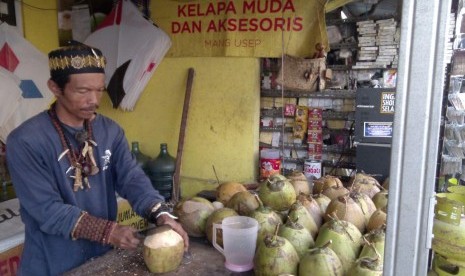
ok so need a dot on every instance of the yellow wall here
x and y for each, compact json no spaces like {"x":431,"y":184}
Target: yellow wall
{"x":222,"y":127}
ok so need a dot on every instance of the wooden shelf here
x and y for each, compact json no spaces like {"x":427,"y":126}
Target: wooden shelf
{"x":327,"y":93}
{"x":326,"y":163}
{"x":327,"y":114}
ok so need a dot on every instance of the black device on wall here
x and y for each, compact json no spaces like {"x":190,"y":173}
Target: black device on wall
{"x":374,"y":119}
{"x":374,"y":115}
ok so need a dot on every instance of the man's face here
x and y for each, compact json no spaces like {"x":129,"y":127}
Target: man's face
{"x":80,"y":98}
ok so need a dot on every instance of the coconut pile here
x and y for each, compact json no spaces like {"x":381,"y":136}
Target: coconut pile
{"x":326,"y":229}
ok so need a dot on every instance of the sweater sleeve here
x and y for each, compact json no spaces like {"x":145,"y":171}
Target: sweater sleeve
{"x":131,"y":181}
{"x":37,"y":188}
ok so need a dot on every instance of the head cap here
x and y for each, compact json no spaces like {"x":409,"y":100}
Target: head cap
{"x":76,"y":58}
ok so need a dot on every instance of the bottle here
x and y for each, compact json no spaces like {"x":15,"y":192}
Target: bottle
{"x":161,"y":172}
{"x":142,"y":159}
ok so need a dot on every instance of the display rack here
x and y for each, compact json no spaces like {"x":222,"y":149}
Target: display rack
{"x":337,"y":122}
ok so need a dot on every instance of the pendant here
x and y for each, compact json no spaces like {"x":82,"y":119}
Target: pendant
{"x":90,"y":153}
{"x":77,"y":177}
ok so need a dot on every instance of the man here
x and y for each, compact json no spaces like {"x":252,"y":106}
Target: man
{"x":66,"y":165}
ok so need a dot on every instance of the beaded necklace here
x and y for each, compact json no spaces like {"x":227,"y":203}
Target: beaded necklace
{"x":82,"y":160}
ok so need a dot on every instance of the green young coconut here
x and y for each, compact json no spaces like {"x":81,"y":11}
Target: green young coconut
{"x":193,"y":214}
{"x":276,"y":193}
{"x":297,"y":235}
{"x":380,"y":200}
{"x":217,"y":217}
{"x":300,"y":213}
{"x":277,"y":176}
{"x":226,"y":190}
{"x":275,"y":256}
{"x":377,"y":220}
{"x":346,"y":240}
{"x":374,"y":244}
{"x":320,"y":261}
{"x":267,"y":220}
{"x":366,"y":267}
{"x":244,"y":203}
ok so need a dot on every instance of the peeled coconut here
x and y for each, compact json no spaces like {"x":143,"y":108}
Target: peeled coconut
{"x":323,"y":201}
{"x":300,"y":182}
{"x":320,"y":261}
{"x":217,"y":217}
{"x":226,"y":190}
{"x":312,"y":207}
{"x":163,"y":250}
{"x":217,"y":205}
{"x":319,"y":185}
{"x":365,"y":203}
{"x":366,"y":184}
{"x":277,"y":193}
{"x":345,"y":208}
{"x":193,"y":214}
{"x":335,"y":191}
{"x":243,"y":203}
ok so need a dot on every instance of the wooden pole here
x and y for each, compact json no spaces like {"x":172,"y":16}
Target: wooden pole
{"x":182,"y":133}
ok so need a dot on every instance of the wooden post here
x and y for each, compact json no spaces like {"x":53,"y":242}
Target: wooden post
{"x":182,"y":133}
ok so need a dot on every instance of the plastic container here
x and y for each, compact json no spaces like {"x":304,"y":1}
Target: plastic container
{"x":270,"y":162}
{"x":239,"y":242}
{"x":141,"y":158}
{"x":161,"y":172}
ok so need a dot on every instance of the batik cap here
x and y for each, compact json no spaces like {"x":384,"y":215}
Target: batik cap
{"x":75,"y":58}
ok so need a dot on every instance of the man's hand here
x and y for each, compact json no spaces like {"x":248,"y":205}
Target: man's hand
{"x":124,"y":237}
{"x":165,"y":219}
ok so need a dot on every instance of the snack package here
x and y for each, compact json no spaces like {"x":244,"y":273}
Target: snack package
{"x":301,"y":114}
{"x":315,"y":149}
{"x":289,"y":110}
{"x":315,"y":114}
{"x":300,"y":128}
{"x":315,"y":135}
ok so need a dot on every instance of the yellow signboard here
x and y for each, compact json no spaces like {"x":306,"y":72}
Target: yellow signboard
{"x":266,"y":28}
{"x":127,"y":216}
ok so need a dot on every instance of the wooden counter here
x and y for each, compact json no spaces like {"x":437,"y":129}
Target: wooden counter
{"x":206,"y":261}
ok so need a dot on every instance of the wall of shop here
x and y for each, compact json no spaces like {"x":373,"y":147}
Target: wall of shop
{"x":222,"y":126}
